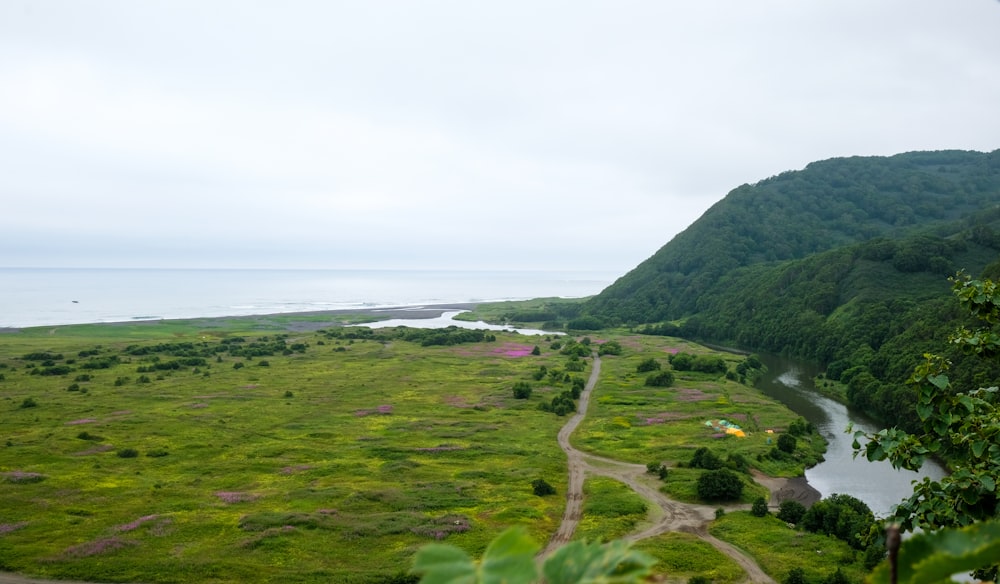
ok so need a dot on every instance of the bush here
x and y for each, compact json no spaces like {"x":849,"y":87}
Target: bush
{"x":795,"y":576}
{"x":791,"y":511}
{"x":542,"y":488}
{"x":28,"y":403}
{"x":661,"y":379}
{"x":759,"y":508}
{"x":522,"y":390}
{"x":706,"y":459}
{"x":536,"y":351}
{"x":786,"y":443}
{"x":719,"y":485}
{"x":648,"y":365}
{"x":128,"y":453}
{"x":610,"y":348}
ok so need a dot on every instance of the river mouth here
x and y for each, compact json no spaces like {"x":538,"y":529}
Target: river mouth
{"x":879,"y":485}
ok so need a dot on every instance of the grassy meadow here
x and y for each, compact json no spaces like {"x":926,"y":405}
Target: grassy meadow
{"x":265,"y":449}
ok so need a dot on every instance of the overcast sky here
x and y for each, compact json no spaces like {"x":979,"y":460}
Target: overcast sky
{"x":485,"y":135}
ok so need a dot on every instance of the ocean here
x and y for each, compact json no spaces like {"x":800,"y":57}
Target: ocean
{"x":56,"y":296}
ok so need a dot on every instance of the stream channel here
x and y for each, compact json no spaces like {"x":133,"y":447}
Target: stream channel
{"x":876,"y":483}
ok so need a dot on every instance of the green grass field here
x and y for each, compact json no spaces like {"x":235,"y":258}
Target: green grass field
{"x":238,"y":450}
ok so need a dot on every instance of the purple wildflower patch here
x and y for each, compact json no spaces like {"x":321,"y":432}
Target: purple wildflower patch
{"x":135,"y":524}
{"x":671,"y":350}
{"x":235,"y":496}
{"x":100,"y":546}
{"x":81,"y":421}
{"x":295,"y":468}
{"x":9,"y":527}
{"x":384,"y":410}
{"x":443,"y":527}
{"x":691,"y":395}
{"x":21,"y":477}
{"x":513,"y":350}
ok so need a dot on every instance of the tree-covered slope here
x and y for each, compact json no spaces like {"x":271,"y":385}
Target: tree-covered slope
{"x":828,"y":204}
{"x":844,"y":263}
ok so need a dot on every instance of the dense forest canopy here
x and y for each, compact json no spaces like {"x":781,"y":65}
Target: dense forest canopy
{"x":845,"y":262}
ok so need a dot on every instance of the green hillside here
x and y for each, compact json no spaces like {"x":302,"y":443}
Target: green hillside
{"x":844,"y":262}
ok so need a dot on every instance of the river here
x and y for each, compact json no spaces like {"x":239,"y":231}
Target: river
{"x":876,"y":483}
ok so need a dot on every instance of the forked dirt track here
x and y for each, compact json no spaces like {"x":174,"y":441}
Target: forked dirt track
{"x":669,"y":515}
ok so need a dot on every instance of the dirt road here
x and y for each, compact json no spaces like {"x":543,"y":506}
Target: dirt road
{"x":669,"y":515}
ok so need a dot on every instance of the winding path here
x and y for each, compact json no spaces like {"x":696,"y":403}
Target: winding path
{"x":670,"y":515}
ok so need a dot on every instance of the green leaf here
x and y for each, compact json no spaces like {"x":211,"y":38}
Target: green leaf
{"x":931,"y":558}
{"x":509,"y":559}
{"x":444,"y":564}
{"x":592,"y":563}
{"x":939,"y":381}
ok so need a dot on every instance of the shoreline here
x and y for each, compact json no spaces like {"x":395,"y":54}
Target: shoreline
{"x":377,"y":313}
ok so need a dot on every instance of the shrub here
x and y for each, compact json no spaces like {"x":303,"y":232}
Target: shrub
{"x":610,"y":348}
{"x":536,"y":351}
{"x":719,"y":485}
{"x":128,"y":453}
{"x":28,"y":403}
{"x":791,"y":511}
{"x":542,"y":488}
{"x":795,"y":576}
{"x":648,"y":365}
{"x":759,"y":508}
{"x":238,"y":365}
{"x":263,"y":364}
{"x":786,"y":443}
{"x":706,"y":459}
{"x":288,"y":393}
{"x":661,"y":379}
{"x":522,"y":390}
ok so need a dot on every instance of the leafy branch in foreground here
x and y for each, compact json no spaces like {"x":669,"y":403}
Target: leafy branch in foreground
{"x":929,"y":558}
{"x":962,"y":427}
{"x":510,"y":559}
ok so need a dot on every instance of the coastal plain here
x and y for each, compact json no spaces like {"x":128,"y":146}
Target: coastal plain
{"x":295,"y":448}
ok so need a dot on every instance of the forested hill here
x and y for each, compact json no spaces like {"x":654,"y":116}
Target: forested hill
{"x":844,"y":262}
{"x":827,"y":205}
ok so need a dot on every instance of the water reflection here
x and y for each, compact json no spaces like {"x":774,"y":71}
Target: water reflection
{"x":448,"y":319}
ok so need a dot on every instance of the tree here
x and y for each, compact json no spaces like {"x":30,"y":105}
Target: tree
{"x":795,"y":576}
{"x":522,"y":390}
{"x":536,"y":351}
{"x":719,"y":485}
{"x":960,"y":426}
{"x":759,"y":508}
{"x":706,"y":459}
{"x":791,"y":511}
{"x":786,"y":443}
